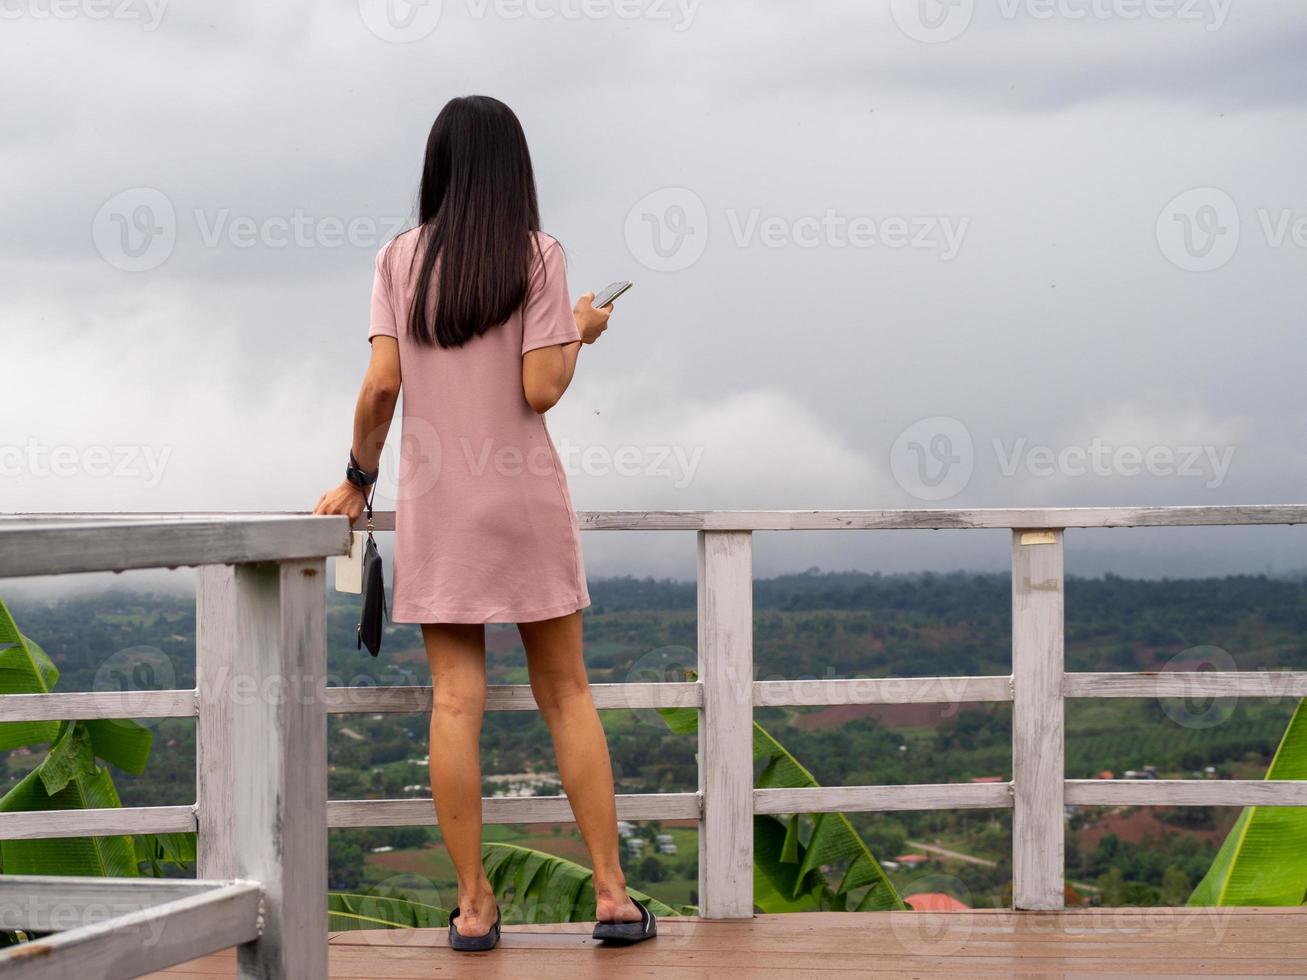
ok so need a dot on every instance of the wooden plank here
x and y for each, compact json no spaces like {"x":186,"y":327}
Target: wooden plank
{"x":144,"y":940}
{"x":1186,"y":792}
{"x":725,"y":661}
{"x":501,"y":810}
{"x":1187,"y":684}
{"x":882,"y":690}
{"x":509,"y":697}
{"x":988,"y":942}
{"x":55,"y":903}
{"x":1156,"y":925}
{"x":1051,"y":518}
{"x":866,"y":799}
{"x":815,"y":520}
{"x":62,"y":547}
{"x":1038,"y":728}
{"x":262,"y":755}
{"x":39,"y":824}
{"x":86,"y":705}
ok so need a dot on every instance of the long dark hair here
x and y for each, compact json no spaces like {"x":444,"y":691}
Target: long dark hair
{"x":478,"y":214}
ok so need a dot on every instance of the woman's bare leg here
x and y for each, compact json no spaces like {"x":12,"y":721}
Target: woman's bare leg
{"x":457,"y":655}
{"x":558,"y":680}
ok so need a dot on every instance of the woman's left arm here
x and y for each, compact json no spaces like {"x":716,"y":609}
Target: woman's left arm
{"x":372,"y":417}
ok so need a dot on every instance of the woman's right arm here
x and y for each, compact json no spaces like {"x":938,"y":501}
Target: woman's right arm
{"x":548,"y":371}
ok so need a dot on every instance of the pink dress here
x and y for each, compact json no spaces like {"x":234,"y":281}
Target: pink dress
{"x":484,"y":528}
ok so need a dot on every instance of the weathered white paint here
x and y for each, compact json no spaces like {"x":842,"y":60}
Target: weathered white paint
{"x":262,"y":760}
{"x":1188,"y":684}
{"x":38,"y":824}
{"x":922,"y":519}
{"x":98,"y":704}
{"x":1038,"y":860}
{"x":1029,"y":518}
{"x":54,"y":903}
{"x":859,"y":799}
{"x":501,"y":810}
{"x":58,"y":547}
{"x":146,"y":940}
{"x":882,"y":690}
{"x":726,"y":724}
{"x":1186,"y":792}
{"x":815,"y":520}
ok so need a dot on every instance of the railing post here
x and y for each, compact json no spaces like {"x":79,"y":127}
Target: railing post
{"x":726,"y":724}
{"x":1038,"y":735}
{"x":262,"y":753}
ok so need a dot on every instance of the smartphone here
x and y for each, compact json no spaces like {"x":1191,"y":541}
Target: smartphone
{"x":610,"y":293}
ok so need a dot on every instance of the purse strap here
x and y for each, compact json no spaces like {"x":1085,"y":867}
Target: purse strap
{"x":368,"y":494}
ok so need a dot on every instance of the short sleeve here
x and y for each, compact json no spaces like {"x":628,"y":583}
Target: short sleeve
{"x":547,"y":316}
{"x":384,"y":322}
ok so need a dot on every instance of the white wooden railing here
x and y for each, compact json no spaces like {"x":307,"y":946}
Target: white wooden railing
{"x":261,"y":702}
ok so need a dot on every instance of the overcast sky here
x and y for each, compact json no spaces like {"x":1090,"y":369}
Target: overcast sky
{"x":887,"y":254}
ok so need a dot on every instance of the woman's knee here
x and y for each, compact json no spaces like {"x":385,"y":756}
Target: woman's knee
{"x":458,"y":696}
{"x":555,"y":693}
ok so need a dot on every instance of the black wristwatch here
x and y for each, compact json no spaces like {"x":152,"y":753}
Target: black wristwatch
{"x":357,"y":475}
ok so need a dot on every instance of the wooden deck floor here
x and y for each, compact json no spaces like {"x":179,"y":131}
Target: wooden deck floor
{"x":1125,"y":942}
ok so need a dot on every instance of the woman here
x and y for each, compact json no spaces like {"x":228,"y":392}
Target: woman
{"x":471,"y":310}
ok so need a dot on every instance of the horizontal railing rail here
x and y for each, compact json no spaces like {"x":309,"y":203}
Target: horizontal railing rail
{"x":906,"y":519}
{"x":257,"y":619}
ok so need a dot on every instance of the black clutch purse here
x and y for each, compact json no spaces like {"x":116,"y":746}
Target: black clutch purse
{"x":373,"y":616}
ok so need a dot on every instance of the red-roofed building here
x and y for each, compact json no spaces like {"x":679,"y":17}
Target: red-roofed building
{"x":911,"y":860}
{"x":934,"y":902}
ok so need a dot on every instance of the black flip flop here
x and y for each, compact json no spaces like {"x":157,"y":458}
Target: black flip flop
{"x":473,"y":944}
{"x":626,"y":933}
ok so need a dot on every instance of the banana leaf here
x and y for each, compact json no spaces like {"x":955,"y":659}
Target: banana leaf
{"x":24,"y":669}
{"x":160,"y":852}
{"x":788,"y":856}
{"x":68,"y":777}
{"x":88,"y":856}
{"x":348,"y":911}
{"x":1263,"y":860}
{"x":545,"y":888}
